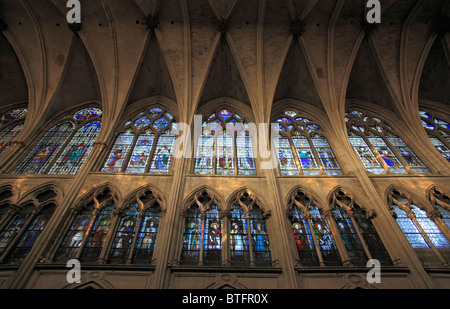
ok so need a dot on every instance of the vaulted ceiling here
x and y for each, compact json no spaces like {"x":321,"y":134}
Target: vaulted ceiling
{"x":320,"y":52}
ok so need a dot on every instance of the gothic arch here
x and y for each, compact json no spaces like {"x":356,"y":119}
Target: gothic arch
{"x":355,"y":198}
{"x":192,"y":198}
{"x":248,"y":194}
{"x":413,"y":197}
{"x":33,"y":195}
{"x":226,"y":102}
{"x":90,"y":195}
{"x":135,"y":195}
{"x":9,"y":188}
{"x":309,"y":193}
{"x":433,"y":200}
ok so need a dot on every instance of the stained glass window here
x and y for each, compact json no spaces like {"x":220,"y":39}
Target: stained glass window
{"x":7,"y":134}
{"x":259,"y":237}
{"x":312,"y":235}
{"x":30,"y":236}
{"x":419,"y":229}
{"x":146,"y":240}
{"x":40,"y":157}
{"x":357,"y":232}
{"x":24,"y":227}
{"x":379,"y":149}
{"x":145,"y":144}
{"x":239,"y":243}
{"x":302,"y":148}
{"x":212,"y":237}
{"x":190,"y":254}
{"x":225,"y":134}
{"x":438,"y":131}
{"x":64,"y":148}
{"x":75,"y":153}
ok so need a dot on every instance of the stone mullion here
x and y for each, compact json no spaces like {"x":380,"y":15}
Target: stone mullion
{"x":307,"y":216}
{"x":12,"y":211}
{"x":135,"y":236}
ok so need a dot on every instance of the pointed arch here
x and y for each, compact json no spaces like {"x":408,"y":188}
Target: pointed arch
{"x":216,"y":197}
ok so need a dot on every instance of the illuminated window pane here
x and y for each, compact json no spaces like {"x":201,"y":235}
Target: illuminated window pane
{"x":97,"y":236}
{"x":366,"y":156}
{"x":145,"y":243}
{"x":260,"y":238}
{"x":350,"y":237}
{"x":13,"y":228}
{"x":410,"y":158}
{"x":443,"y":150}
{"x":239,"y":245}
{"x":326,"y":155}
{"x":225,"y":155}
{"x":88,"y":114}
{"x":141,"y":152}
{"x":78,"y":149}
{"x":124,"y":236}
{"x":212,"y":247}
{"x":245,"y":156}
{"x":410,"y":230}
{"x":386,"y":154}
{"x":286,"y":157}
{"x":204,"y":155}
{"x":430,"y":228}
{"x":303,"y":239}
{"x":30,"y":236}
{"x":18,"y":113}
{"x":45,"y":150}
{"x":118,"y":154}
{"x":305,"y":156}
{"x":190,"y":253}
{"x":162,"y":157}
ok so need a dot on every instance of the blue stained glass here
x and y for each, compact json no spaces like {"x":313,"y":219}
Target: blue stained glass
{"x":154,"y":112}
{"x":283,"y":120}
{"x":225,"y":155}
{"x":355,"y":112}
{"x":30,"y":236}
{"x":260,"y":238}
{"x":18,"y":113}
{"x":303,"y":239}
{"x":386,"y":154}
{"x":239,"y":244}
{"x":212,"y":247}
{"x":160,"y":123}
{"x":444,"y":151}
{"x":192,"y":237}
{"x":442,"y":123}
{"x":427,"y":125}
{"x":48,"y":146}
{"x":87,"y":114}
{"x":162,"y":158}
{"x":141,"y":152}
{"x":142,"y":122}
{"x":305,"y":155}
{"x":75,"y":154}
{"x":145,"y":244}
{"x":286,"y":157}
{"x":445,"y":215}
{"x":326,"y":155}
{"x":225,"y":114}
{"x":430,"y":228}
{"x":302,"y":120}
{"x":410,"y":158}
{"x":13,"y":228}
{"x":123,"y":239}
{"x":410,"y":230}
{"x":350,"y":237}
{"x":312,"y":127}
{"x":118,"y":153}
{"x":424,"y":114}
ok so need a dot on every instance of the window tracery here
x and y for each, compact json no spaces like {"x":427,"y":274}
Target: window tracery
{"x":144,"y":145}
{"x":64,"y":148}
{"x":303,"y":148}
{"x":378,"y":146}
{"x":225,"y":146}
